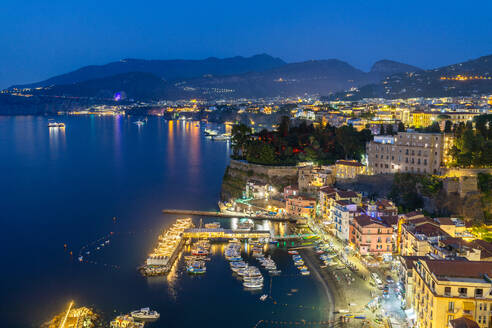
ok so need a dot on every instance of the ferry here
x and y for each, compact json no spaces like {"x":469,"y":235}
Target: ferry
{"x":145,"y":314}
{"x":53,"y":124}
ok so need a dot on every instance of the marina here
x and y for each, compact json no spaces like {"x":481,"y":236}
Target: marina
{"x":170,"y":243}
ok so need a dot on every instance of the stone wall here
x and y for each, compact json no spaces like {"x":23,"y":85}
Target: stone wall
{"x":271,"y":171}
{"x":457,"y":172}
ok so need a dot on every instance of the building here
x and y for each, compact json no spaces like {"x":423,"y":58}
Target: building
{"x":345,"y":169}
{"x":311,"y":178}
{"x":259,"y":190}
{"x":414,"y":152}
{"x":290,"y":191}
{"x":371,"y":236}
{"x":418,"y":236}
{"x":463,"y":322}
{"x":301,"y":206}
{"x":342,"y":214}
{"x":447,"y":290}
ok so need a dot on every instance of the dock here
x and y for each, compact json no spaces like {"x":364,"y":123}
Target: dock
{"x":229,"y":215}
{"x":225,"y":234}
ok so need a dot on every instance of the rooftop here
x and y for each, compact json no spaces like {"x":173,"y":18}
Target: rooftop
{"x":459,"y":269}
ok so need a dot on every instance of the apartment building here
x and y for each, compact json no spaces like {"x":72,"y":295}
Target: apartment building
{"x":371,"y":236}
{"x":345,"y":169}
{"x":414,"y":152}
{"x":446,"y":290}
{"x":301,"y":206}
{"x":342,"y":214}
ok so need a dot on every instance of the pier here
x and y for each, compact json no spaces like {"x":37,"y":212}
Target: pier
{"x":225,"y":233}
{"x":229,"y":215}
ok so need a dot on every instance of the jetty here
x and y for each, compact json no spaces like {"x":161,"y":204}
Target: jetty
{"x":225,"y":234}
{"x":229,"y":215}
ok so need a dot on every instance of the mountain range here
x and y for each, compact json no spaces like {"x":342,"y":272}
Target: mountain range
{"x":264,"y":76}
{"x":462,"y":79}
{"x":256,"y":76}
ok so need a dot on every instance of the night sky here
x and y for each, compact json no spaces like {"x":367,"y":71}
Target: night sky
{"x":40,"y":39}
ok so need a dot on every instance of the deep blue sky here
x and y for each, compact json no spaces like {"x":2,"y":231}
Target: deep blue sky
{"x":42,"y":38}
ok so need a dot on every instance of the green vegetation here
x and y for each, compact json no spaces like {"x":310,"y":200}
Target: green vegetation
{"x":473,"y":146}
{"x":290,"y":145}
{"x":408,"y":188}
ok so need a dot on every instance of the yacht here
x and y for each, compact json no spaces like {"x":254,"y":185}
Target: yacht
{"x":145,"y":314}
{"x":210,"y":132}
{"x":53,"y":124}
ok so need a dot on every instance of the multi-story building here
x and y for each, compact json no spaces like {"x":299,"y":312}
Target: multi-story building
{"x":342,"y":214}
{"x":371,"y":236}
{"x":414,"y":152}
{"x":301,"y":206}
{"x":345,"y":169}
{"x":311,"y":178}
{"x":419,"y":235}
{"x":446,"y":290}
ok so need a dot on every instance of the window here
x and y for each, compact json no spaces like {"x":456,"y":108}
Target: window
{"x":447,"y":291}
{"x":479,"y":292}
{"x":463,"y":292}
{"x":450,"y":308}
{"x":450,"y":317}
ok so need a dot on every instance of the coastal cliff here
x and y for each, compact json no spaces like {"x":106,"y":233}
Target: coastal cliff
{"x":239,"y":172}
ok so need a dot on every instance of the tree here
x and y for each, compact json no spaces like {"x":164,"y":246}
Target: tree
{"x":284,"y":125}
{"x":448,"y":125}
{"x":240,"y":137}
{"x":401,"y":127}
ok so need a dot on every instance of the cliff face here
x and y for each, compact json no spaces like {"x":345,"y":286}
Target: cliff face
{"x":238,"y":173}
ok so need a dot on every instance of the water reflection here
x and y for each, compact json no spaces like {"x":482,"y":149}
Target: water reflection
{"x":57,"y":139}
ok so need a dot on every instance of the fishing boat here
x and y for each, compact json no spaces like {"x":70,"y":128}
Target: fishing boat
{"x":274,"y":272}
{"x":197,"y":267}
{"x":212,"y":225}
{"x":253,"y":285}
{"x":145,"y":314}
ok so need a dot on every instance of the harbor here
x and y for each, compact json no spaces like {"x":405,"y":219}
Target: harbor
{"x":229,"y":215}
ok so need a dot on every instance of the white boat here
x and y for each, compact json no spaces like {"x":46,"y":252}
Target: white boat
{"x":224,"y":136}
{"x":139,"y":123}
{"x":253,"y":285}
{"x":81,"y":258}
{"x":210,"y":132}
{"x":263,"y":297}
{"x":145,"y":314}
{"x":53,"y":124}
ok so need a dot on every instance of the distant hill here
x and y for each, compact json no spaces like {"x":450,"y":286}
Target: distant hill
{"x":296,"y":79}
{"x":134,"y":85}
{"x":169,"y":70}
{"x":462,"y":79}
{"x":385,"y":67}
{"x":314,"y":76}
